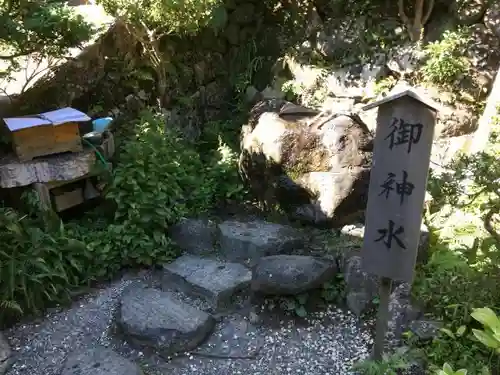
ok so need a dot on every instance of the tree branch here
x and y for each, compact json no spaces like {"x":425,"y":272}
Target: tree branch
{"x":16,"y":55}
{"x":488,"y":225}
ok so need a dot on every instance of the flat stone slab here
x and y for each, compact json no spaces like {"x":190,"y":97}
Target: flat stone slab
{"x":216,"y":282}
{"x":98,"y":361}
{"x":291,"y":274}
{"x":250,"y":241}
{"x":234,"y":338}
{"x":153,"y":318}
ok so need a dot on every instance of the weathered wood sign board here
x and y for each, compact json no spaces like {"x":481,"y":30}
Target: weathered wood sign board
{"x":402,"y":150}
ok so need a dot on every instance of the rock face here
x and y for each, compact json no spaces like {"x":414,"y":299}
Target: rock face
{"x":242,"y":241}
{"x":98,"y":361}
{"x":491,"y":18}
{"x":291,"y":274}
{"x":150,"y":317}
{"x":316,"y":167}
{"x":214,"y":281}
{"x":361,"y":287}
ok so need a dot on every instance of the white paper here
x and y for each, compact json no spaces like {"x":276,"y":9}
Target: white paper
{"x":63,"y":115}
{"x":57,"y":117}
{"x":25,"y":122}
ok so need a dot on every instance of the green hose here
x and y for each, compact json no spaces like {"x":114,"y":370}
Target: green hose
{"x":98,"y":153}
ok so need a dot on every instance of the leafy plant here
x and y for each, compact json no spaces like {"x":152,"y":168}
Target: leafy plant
{"x":446,"y":61}
{"x":296,"y":304}
{"x":158,"y":180}
{"x":448,"y":370}
{"x":39,"y":263}
{"x":390,"y":364}
{"x":334,"y":291}
{"x":490,"y":334}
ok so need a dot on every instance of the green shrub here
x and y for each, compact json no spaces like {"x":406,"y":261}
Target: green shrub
{"x":158,"y":180}
{"x":462,"y":274}
{"x":446,"y":61}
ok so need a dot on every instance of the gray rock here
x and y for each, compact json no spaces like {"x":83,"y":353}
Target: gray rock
{"x":98,"y":361}
{"x":425,"y":329}
{"x":361,"y":287}
{"x":196,"y":236}
{"x":215,"y":281}
{"x":291,"y":274}
{"x":357,"y":302}
{"x":401,"y":312}
{"x":5,"y":354}
{"x":240,"y":241}
{"x":316,"y":167}
{"x":492,"y":17}
{"x":252,"y":94}
{"x":233,"y":338}
{"x":5,"y":351}
{"x":272,"y":93}
{"x":150,"y":317}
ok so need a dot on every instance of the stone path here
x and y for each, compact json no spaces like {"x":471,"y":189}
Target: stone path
{"x":202,"y":315}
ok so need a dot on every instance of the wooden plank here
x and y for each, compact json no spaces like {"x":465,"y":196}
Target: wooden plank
{"x":402,"y":148}
{"x":68,"y":199}
{"x":38,"y":141}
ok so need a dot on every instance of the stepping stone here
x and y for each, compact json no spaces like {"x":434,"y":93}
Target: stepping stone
{"x":250,"y":241}
{"x":98,"y":361}
{"x":195,"y":236}
{"x":291,"y":274}
{"x":234,"y":338}
{"x":5,"y":354}
{"x":216,"y":282}
{"x":150,"y":317}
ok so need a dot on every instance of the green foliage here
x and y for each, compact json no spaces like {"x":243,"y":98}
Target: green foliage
{"x":334,"y":291}
{"x":462,"y":274}
{"x":448,"y":370}
{"x":296,"y":305}
{"x":171,"y":16}
{"x":490,"y":334}
{"x":159,"y":179}
{"x":47,"y":28}
{"x":385,"y":85}
{"x":330,"y":292}
{"x":390,"y":364}
{"x":446,"y":61}
{"x":40,"y":263}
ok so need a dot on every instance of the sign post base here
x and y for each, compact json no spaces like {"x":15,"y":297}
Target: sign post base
{"x":382,"y":317}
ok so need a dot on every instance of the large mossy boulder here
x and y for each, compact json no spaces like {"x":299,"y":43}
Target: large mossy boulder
{"x":314,"y":165}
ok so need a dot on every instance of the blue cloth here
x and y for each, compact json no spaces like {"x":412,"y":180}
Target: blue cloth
{"x":101,"y":124}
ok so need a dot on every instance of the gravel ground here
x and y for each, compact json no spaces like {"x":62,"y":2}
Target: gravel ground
{"x":326,"y":342}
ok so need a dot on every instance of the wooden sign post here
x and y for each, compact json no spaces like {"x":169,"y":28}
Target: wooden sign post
{"x":401,"y":157}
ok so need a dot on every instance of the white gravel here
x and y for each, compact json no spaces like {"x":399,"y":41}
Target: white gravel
{"x":328,"y":342}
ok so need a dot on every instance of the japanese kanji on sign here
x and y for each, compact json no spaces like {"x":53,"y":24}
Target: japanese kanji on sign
{"x":402,"y":148}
